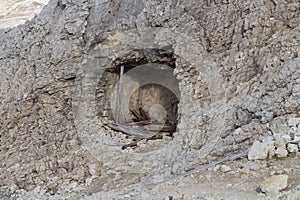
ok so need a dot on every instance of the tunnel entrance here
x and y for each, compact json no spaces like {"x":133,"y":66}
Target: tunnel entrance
{"x":143,"y":96}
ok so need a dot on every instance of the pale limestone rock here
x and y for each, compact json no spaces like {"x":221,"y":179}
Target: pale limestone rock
{"x":225,"y":168}
{"x":79,"y":174}
{"x":281,"y":152}
{"x":279,"y":143}
{"x":94,"y":169}
{"x":295,"y":139}
{"x":268,"y":140}
{"x":274,"y":184}
{"x":37,"y":190}
{"x":293,"y":194}
{"x":217,"y":168}
{"x":294,"y":121}
{"x":292,"y":148}
{"x":286,"y":138}
{"x":258,"y":151}
{"x":298,"y":131}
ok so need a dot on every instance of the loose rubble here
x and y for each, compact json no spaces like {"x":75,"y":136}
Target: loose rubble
{"x":280,"y":145}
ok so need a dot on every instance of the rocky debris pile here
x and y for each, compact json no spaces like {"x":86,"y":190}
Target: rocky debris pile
{"x":65,"y":183}
{"x":280,"y":144}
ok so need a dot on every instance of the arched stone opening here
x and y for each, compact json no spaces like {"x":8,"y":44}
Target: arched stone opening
{"x":147,"y":95}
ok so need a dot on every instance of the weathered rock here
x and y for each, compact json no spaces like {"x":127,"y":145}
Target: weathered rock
{"x":225,"y":168}
{"x":292,"y":148}
{"x":293,"y":194}
{"x":71,"y":186}
{"x":298,"y":131}
{"x":268,"y":140}
{"x":79,"y":174}
{"x":258,"y":151}
{"x":274,"y":184}
{"x":294,"y":122}
{"x":94,"y":169}
{"x":37,"y":190}
{"x":279,"y":143}
{"x":286,"y":138}
{"x":236,"y":63}
{"x":281,"y":152}
{"x":295,"y":139}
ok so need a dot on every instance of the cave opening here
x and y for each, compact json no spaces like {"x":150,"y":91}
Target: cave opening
{"x":141,"y":93}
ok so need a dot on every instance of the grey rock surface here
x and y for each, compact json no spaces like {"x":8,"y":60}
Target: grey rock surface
{"x":237,"y":63}
{"x":258,"y":151}
{"x":274,"y":184}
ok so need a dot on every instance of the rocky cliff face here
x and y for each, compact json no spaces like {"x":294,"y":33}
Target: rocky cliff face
{"x":237,"y":68}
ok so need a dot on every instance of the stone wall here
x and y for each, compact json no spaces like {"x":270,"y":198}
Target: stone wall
{"x":236,"y":63}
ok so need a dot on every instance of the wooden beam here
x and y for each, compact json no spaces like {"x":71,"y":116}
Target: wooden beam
{"x":131,"y":131}
{"x":118,"y":101}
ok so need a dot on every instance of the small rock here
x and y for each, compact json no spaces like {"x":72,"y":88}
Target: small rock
{"x":225,"y":168}
{"x":62,"y":171}
{"x":71,"y":186}
{"x":279,"y":143}
{"x":217,"y":168}
{"x":245,"y":171}
{"x":88,"y":181}
{"x":79,"y":174}
{"x":268,"y":140}
{"x":271,"y":152}
{"x":273,"y":173}
{"x":274,"y":184}
{"x":293,"y":194}
{"x":286,"y":138}
{"x":42,"y":192}
{"x":298,"y":131}
{"x":296,"y":139}
{"x":293,"y":122}
{"x":13,"y":187}
{"x":37,"y":190}
{"x":281,"y":152}
{"x":292,"y":148}
{"x":258,"y":151}
{"x":94,"y":169}
{"x":238,"y":131}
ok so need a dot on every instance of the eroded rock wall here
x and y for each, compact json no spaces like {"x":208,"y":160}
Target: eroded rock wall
{"x":236,"y":62}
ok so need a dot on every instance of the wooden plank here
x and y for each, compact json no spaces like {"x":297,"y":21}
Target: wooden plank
{"x":118,"y":101}
{"x":160,"y":128}
{"x":139,"y":123}
{"x":136,"y":115}
{"x":143,"y":114}
{"x":133,"y":145}
{"x":131,"y":131}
